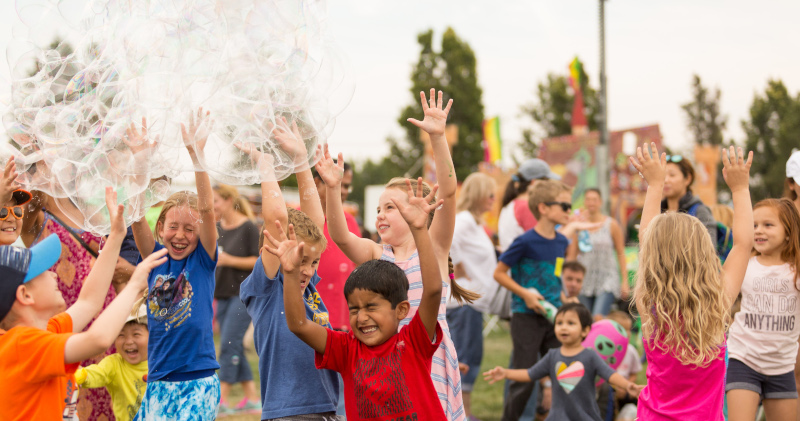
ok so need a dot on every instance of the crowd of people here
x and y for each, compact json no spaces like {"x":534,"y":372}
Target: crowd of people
{"x":121,"y":327}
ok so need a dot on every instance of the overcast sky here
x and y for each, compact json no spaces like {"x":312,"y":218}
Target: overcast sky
{"x":652,"y":50}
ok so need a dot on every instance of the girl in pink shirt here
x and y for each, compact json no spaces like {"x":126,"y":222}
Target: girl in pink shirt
{"x":684,"y":295}
{"x":763,"y":338}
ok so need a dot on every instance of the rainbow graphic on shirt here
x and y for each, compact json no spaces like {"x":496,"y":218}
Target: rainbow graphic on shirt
{"x":569,"y":376}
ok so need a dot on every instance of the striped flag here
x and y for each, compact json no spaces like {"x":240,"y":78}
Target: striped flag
{"x":492,"y":147}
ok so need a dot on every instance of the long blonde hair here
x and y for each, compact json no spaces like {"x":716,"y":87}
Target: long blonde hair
{"x":240,"y":203}
{"x":458,"y":293}
{"x":680,"y":291}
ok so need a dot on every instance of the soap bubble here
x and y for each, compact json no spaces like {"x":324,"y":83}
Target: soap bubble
{"x":251,"y":63}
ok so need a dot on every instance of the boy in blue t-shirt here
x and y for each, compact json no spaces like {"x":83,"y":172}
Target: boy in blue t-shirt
{"x":535,"y":260}
{"x":291,"y":385}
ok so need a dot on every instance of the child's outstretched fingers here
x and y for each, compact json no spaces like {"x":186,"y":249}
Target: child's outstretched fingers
{"x":494,"y":375}
{"x":115,"y":212}
{"x":735,"y":169}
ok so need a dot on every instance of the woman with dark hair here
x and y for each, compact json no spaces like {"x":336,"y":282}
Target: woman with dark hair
{"x":678,"y":196}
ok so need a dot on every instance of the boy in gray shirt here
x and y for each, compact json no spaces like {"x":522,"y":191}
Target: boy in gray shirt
{"x":572,"y":369}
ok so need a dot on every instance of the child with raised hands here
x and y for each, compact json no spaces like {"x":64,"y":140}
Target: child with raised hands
{"x":291,"y":387}
{"x":386,"y":373}
{"x":41,"y":344}
{"x":683,"y":294}
{"x":182,"y":383}
{"x":572,"y":369}
{"x":762,"y":342}
{"x":399,"y":246}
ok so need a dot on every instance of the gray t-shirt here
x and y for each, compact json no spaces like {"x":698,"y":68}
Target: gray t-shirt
{"x":573,"y":381}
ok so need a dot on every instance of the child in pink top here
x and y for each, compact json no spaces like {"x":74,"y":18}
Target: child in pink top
{"x":683,"y":295}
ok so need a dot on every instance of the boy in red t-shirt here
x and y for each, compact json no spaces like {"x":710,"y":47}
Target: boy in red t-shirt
{"x":38,"y":349}
{"x":386,"y":373}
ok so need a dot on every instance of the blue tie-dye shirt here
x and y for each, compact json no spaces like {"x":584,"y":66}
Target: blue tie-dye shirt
{"x":534,"y":260}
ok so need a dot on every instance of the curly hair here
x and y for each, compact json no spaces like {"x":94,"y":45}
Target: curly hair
{"x":680,"y":291}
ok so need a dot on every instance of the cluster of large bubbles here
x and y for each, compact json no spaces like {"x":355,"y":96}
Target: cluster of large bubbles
{"x":113,"y":62}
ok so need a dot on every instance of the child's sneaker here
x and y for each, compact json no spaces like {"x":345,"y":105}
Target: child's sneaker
{"x":248,"y":407}
{"x":223,"y":410}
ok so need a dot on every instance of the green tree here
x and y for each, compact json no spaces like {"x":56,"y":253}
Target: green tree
{"x":771,"y":132}
{"x":453,"y":71}
{"x":703,"y":117}
{"x":552,"y":110}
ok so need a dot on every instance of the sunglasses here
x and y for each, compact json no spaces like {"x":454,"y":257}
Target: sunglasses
{"x":7,"y":211}
{"x":674,"y":158}
{"x":566,"y":206}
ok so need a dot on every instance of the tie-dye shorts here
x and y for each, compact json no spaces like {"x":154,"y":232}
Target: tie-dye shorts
{"x":191,"y":400}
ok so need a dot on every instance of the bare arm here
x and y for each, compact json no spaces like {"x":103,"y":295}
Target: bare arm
{"x":33,"y":219}
{"x":531,"y":298}
{"x":434,"y":123}
{"x":357,"y":249}
{"x":290,"y":254}
{"x":143,"y":237}
{"x":653,"y":169}
{"x":105,"y":329}
{"x":620,"y":382}
{"x":499,"y":373}
{"x":95,"y":287}
{"x":619,"y":246}
{"x":736,"y":172}
{"x":291,"y":141}
{"x":237,"y":262}
{"x":195,"y":137}
{"x":572,"y":248}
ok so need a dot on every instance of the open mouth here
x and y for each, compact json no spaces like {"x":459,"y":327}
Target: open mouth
{"x":382,"y":228}
{"x":10,"y":230}
{"x":368,"y":330}
{"x":132,"y":353}
{"x":179,"y":248}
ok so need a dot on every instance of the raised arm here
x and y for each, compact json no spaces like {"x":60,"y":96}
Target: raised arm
{"x":291,"y":141}
{"x":273,"y":207}
{"x":736,"y":172}
{"x":141,"y":148}
{"x":653,"y":170}
{"x":434,"y":123}
{"x":357,"y":249}
{"x":290,"y":254}
{"x":195,"y":137}
{"x":415,"y":212}
{"x":106,"y":328}
{"x":95,"y":287}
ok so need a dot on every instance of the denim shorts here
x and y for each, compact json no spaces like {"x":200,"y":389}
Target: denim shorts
{"x":466,"y":329}
{"x":740,"y":376}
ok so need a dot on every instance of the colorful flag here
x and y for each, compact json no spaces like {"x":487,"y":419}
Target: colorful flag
{"x":575,"y":70}
{"x":492,"y":149}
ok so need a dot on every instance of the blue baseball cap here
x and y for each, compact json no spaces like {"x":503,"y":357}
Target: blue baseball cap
{"x":19,"y":265}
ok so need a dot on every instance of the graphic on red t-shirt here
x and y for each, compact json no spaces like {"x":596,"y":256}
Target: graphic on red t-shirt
{"x":381,"y":386}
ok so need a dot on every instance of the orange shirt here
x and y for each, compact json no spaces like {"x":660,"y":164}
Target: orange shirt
{"x":32,"y":370}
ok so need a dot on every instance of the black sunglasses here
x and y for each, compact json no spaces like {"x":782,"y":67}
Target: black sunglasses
{"x":566,"y":206}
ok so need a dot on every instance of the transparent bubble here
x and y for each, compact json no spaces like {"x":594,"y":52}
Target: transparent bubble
{"x":251,"y":63}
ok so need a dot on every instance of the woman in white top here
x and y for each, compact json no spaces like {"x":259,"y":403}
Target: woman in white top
{"x":474,"y":261}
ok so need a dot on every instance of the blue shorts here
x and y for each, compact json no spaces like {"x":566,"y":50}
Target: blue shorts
{"x":190,"y":400}
{"x":740,"y":376}
{"x":466,"y":329}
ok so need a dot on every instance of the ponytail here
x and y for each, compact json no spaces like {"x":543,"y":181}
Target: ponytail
{"x":458,"y":293}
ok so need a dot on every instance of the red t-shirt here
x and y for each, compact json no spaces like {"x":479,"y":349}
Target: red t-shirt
{"x":334,"y":268}
{"x":33,"y":372}
{"x":391,"y":381}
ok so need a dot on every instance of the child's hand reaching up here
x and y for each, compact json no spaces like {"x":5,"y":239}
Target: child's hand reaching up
{"x":330,"y":172}
{"x":651,"y":168}
{"x":115,"y":213}
{"x":735,"y":170}
{"x":196,"y":135}
{"x":9,"y":183}
{"x":435,"y":119}
{"x":287,"y":249}
{"x":418,"y":208}
{"x":138,"y":280}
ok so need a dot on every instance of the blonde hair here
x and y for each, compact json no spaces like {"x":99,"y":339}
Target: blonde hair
{"x":723,"y":214}
{"x":457,"y":292}
{"x":240,"y":203}
{"x":304,"y":228}
{"x":476,"y":187}
{"x":181,"y":198}
{"x":680,"y":290}
{"x":545,"y":191}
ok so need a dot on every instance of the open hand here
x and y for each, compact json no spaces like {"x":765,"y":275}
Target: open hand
{"x":196,"y":135}
{"x":330,"y":172}
{"x":115,"y":213}
{"x":435,"y":118}
{"x":418,"y":208}
{"x":264,"y":161}
{"x":142,"y":271}
{"x":291,"y":141}
{"x":735,"y":170}
{"x":286,"y":249}
{"x":139,"y":141}
{"x":494,"y":375}
{"x":9,"y":182}
{"x":653,"y":169}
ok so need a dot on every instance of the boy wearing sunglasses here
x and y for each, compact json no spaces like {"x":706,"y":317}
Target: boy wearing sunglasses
{"x":535,"y":260}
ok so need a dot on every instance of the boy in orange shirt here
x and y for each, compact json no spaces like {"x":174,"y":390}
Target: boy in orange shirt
{"x":38,"y":348}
